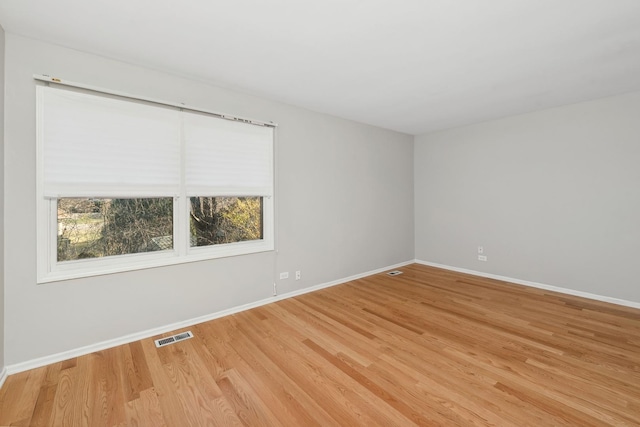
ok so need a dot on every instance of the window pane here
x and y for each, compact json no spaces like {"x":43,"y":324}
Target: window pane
{"x":95,"y":228}
{"x":219,"y":220}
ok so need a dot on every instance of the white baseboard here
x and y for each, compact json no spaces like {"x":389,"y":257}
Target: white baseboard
{"x":3,"y":375}
{"x":535,"y":284}
{"x":58,"y":357}
{"x":340,"y":281}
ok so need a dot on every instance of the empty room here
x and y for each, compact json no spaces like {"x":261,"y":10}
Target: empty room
{"x":337,"y":213}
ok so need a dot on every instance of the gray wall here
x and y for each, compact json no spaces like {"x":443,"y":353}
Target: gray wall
{"x":553,"y":196}
{"x":1,"y":199}
{"x":345,"y":207}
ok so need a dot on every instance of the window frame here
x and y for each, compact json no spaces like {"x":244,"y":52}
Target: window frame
{"x":49,"y":269}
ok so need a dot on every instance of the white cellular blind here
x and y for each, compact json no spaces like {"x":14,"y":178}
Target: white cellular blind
{"x":227,"y":158}
{"x":94,"y":146}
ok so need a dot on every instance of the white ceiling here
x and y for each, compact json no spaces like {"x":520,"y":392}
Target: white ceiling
{"x":410,"y":65}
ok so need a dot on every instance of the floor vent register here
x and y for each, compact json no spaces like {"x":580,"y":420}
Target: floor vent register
{"x":173,"y":339}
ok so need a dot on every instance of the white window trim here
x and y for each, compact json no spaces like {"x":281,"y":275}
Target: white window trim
{"x":54,"y":271}
{"x":50,"y":270}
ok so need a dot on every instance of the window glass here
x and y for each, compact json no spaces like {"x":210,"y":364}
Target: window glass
{"x":96,"y":228}
{"x":219,"y":220}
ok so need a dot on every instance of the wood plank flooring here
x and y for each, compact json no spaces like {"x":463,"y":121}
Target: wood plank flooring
{"x":429,"y":347}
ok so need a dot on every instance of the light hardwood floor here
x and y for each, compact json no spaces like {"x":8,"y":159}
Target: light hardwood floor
{"x":428,"y":347}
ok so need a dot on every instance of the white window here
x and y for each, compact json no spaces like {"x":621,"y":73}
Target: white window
{"x":125,"y":185}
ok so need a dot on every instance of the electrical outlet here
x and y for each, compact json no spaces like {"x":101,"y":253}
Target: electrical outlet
{"x":284,"y":275}
{"x":482,"y":257}
{"x":298,"y":275}
{"x":480,"y":249}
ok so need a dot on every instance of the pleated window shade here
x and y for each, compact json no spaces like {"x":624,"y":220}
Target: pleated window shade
{"x":227,"y":158}
{"x":97,"y":146}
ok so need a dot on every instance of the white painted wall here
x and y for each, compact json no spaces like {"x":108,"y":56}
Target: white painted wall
{"x":553,"y":196}
{"x":345,"y":207}
{"x":1,"y":201}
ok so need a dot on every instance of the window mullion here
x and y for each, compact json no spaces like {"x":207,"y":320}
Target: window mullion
{"x":181,"y":216}
{"x":178,"y":228}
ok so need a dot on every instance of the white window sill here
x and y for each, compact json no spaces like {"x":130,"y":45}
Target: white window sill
{"x":117,"y":264}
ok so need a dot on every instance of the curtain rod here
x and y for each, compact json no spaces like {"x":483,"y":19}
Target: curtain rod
{"x":49,"y":79}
